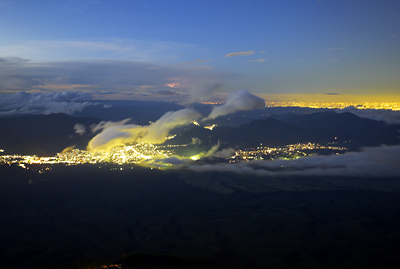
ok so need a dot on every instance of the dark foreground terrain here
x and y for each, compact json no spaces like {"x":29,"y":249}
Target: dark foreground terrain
{"x":86,"y":217}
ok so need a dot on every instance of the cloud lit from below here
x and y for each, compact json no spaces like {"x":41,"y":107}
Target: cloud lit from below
{"x":115,"y":135}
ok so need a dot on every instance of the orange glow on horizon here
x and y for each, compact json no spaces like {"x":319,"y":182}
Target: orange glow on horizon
{"x":173,"y":85}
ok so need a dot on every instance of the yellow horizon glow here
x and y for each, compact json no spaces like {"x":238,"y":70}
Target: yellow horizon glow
{"x":329,"y":98}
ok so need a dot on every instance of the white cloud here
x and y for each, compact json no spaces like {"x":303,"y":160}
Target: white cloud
{"x":118,"y":134}
{"x":80,"y":129}
{"x":240,"y":101}
{"x":116,"y":49}
{"x":259,"y":60}
{"x":240,"y":53}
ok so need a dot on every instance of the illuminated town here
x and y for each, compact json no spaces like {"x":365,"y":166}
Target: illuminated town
{"x":337,"y":105}
{"x":134,"y":154}
{"x":395,"y":106}
{"x":149,"y":155}
{"x":293,"y":151}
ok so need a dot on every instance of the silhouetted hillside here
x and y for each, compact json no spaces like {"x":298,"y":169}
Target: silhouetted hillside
{"x":324,"y":127}
{"x":42,"y":134}
{"x":141,"y":112}
{"x":349,"y":127}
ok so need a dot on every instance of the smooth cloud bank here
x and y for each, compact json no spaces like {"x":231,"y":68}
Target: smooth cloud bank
{"x":377,"y":162}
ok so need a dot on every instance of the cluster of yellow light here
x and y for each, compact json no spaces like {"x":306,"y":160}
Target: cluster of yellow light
{"x":120,"y":155}
{"x":288,"y":151}
{"x":210,"y":127}
{"x":212,"y":103}
{"x":148,"y":154}
{"x":337,"y":105}
{"x":173,"y":85}
{"x":170,"y":137}
{"x":112,"y":266}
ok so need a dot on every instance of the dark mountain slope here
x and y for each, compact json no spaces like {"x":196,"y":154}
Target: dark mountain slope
{"x":319,"y":127}
{"x":42,"y":134}
{"x":347,"y":126}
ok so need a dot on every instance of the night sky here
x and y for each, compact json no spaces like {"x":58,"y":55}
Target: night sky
{"x":177,"y":48}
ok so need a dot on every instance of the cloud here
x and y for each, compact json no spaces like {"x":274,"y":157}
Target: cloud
{"x":239,"y":101}
{"x":80,"y":129}
{"x":185,"y":63}
{"x":165,"y":92}
{"x":98,"y":76}
{"x":202,"y":61}
{"x":43,"y":103}
{"x":240,"y":53}
{"x":196,"y":61}
{"x":336,"y":49}
{"x":259,"y":60}
{"x":112,"y":48}
{"x":120,"y":134}
{"x":224,"y":153}
{"x":113,"y":134}
{"x":105,"y":124}
{"x":206,"y":154}
{"x":370,"y":162}
{"x":388,"y":116}
{"x":203,"y":89}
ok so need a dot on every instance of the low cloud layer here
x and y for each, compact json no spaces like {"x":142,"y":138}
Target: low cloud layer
{"x":43,"y":103}
{"x":378,"y":162}
{"x":239,"y":101}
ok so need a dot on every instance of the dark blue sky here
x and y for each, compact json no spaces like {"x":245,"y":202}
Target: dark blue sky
{"x":285,"y":46}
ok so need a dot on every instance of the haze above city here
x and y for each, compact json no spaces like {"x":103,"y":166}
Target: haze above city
{"x":192,"y":50}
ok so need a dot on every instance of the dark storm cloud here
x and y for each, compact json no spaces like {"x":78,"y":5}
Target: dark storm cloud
{"x":388,"y":116}
{"x":381,"y":161}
